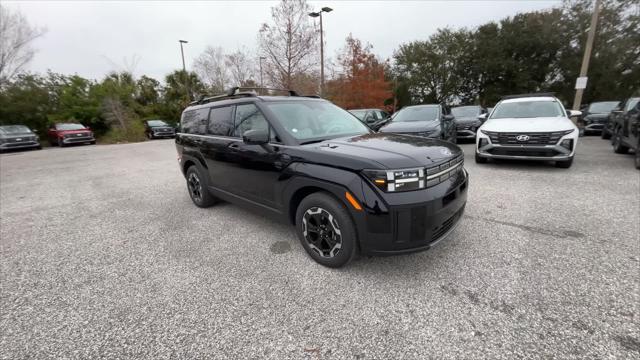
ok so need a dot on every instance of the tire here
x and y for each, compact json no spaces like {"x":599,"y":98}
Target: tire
{"x":616,"y":141}
{"x":332,"y":221}
{"x":150,"y":136}
{"x":564,"y":164}
{"x":637,"y":157}
{"x":197,"y":188}
{"x":480,"y":159}
{"x":60,"y":142}
{"x":605,"y":135}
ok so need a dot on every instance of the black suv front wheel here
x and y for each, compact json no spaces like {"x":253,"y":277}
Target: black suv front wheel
{"x":197,"y":186}
{"x":326,"y":230}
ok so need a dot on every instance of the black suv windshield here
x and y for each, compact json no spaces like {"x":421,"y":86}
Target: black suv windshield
{"x":157,"y":123}
{"x":69,"y":127}
{"x":602,"y":107}
{"x":417,"y":113}
{"x":527,"y":109}
{"x":14,"y":129}
{"x":316,"y":120}
{"x":465,"y":111}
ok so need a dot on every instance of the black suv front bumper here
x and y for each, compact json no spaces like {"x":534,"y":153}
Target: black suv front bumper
{"x":411,"y":221}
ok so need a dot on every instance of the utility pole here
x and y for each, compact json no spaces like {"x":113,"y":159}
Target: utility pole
{"x":319,"y":14}
{"x":261,"y":82}
{"x":184,"y":69}
{"x":577,"y":101}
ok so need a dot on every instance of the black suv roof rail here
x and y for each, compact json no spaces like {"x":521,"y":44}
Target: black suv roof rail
{"x":240,"y":91}
{"x":527,"y":95}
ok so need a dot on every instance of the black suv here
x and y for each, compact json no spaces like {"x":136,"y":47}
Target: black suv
{"x":625,"y":122}
{"x":155,"y":129}
{"x":430,"y":121}
{"x":311,"y":163}
{"x":467,"y":121}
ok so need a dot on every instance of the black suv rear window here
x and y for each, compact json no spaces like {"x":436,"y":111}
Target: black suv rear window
{"x":220,"y":122}
{"x":194,"y":121}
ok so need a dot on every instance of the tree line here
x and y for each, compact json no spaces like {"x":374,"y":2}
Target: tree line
{"x":529,"y":52}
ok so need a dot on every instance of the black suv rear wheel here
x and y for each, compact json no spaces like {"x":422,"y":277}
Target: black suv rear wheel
{"x":618,"y":146}
{"x":326,"y":230}
{"x":197,"y":186}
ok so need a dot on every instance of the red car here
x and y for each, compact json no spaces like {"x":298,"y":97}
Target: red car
{"x":63,"y":134}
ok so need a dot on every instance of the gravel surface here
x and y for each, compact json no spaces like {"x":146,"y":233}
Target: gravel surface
{"x":104,"y":255}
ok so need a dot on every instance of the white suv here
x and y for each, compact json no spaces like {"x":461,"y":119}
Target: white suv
{"x":528,"y":127}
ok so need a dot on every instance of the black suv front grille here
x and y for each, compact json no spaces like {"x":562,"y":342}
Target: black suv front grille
{"x":445,"y":226}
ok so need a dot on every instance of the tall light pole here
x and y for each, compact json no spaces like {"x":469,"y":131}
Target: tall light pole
{"x":184,"y":69}
{"x":261,"y":82}
{"x":319,"y":14}
{"x":577,"y":101}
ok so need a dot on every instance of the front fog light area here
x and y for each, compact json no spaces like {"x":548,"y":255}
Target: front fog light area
{"x":567,"y":144}
{"x":483,"y":142}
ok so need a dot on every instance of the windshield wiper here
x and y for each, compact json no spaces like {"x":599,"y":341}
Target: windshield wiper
{"x":312,"y":141}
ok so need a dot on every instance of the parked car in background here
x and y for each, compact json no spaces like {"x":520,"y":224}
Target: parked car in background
{"x":310,"y":163}
{"x":625,"y":125}
{"x":595,"y":116}
{"x":63,"y":134}
{"x":430,"y":121}
{"x":373,"y":118}
{"x":466,"y":119}
{"x":154,"y":129}
{"x":528,"y":127}
{"x":18,"y":137}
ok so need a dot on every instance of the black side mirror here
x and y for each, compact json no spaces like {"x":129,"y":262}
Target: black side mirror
{"x":449,"y":117}
{"x":256,"y":137}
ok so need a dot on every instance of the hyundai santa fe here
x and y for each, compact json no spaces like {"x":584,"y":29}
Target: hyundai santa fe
{"x":345,"y":188}
{"x":528,"y":127}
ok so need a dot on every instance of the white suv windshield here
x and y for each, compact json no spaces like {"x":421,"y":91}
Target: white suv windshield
{"x":527,"y":109}
{"x":316,"y":120}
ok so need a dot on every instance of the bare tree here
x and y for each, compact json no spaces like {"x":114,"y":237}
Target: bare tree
{"x":289,"y":43}
{"x":210,"y":66}
{"x":16,"y":36}
{"x":241,"y":67}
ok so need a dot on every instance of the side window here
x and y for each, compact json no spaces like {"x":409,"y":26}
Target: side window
{"x":220,"y":122}
{"x":193,"y":122}
{"x":383,"y":114}
{"x":249,"y":117}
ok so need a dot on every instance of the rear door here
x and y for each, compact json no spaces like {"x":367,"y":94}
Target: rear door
{"x":215,"y":147}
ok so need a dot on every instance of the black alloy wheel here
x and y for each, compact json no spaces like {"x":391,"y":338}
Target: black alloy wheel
{"x":322,"y":232}
{"x":198,"y":188}
{"x":618,"y":147}
{"x":326,"y":230}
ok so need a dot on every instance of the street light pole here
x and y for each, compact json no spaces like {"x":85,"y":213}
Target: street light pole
{"x":261,"y":82}
{"x":577,"y":101}
{"x":319,"y":14}
{"x":184,"y":69}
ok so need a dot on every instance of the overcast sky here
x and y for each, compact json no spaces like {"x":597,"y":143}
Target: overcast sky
{"x":94,"y":38}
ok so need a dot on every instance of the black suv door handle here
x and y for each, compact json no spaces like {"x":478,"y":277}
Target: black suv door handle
{"x":234,"y":146}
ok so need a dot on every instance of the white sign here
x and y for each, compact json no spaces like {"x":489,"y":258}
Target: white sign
{"x":581,"y":82}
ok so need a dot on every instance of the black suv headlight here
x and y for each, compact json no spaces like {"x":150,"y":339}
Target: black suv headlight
{"x":414,"y":178}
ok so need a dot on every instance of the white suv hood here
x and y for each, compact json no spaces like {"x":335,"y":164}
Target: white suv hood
{"x":540,"y":124}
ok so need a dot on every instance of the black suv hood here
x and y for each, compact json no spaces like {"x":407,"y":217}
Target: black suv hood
{"x":410,"y":126}
{"x":381,"y":151}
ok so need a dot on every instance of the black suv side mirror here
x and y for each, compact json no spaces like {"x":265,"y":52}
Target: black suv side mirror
{"x":449,"y":117}
{"x":256,"y":137}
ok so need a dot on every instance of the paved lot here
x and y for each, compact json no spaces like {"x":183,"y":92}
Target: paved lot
{"x":103,"y":255}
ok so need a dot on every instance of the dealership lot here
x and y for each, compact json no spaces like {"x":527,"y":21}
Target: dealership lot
{"x":104,"y":254}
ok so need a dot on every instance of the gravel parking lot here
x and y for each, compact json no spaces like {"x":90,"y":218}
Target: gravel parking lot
{"x":104,"y":255}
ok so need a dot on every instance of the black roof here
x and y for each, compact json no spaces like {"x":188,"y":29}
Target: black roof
{"x":243,"y":92}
